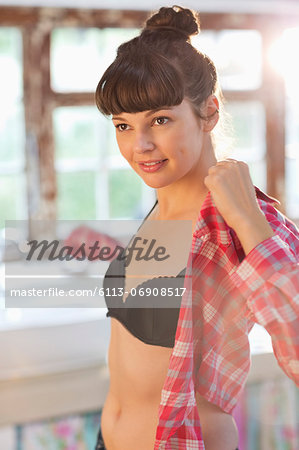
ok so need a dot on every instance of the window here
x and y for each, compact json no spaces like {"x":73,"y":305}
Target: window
{"x":237,"y":55}
{"x":77,"y":163}
{"x":292,"y":154}
{"x":249,"y":125}
{"x":289,"y":68}
{"x":58,"y":155}
{"x":93,"y":180}
{"x":12,"y":130}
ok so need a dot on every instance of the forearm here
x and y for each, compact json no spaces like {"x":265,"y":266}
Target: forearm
{"x":218,"y":428}
{"x":253,"y":231}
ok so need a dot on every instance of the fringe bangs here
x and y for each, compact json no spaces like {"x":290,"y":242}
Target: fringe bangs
{"x":138,"y":84}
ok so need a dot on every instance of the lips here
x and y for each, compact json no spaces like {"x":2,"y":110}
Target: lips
{"x":152,"y":166}
{"x":151,"y":162}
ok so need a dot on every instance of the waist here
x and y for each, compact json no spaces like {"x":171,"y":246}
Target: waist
{"x":129,"y":425}
{"x":133,"y":426}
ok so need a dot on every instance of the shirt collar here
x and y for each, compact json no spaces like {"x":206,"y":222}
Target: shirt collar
{"x":210,"y":222}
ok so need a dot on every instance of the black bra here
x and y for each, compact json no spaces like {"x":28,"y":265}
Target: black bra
{"x":152,"y":325}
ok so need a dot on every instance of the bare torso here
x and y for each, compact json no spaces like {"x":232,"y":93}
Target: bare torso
{"x":137,"y":374}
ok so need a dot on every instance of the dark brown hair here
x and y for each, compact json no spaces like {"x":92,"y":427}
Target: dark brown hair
{"x":158,"y":68}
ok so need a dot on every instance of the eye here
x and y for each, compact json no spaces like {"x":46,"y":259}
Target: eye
{"x":162,"y":120}
{"x":121,"y":127}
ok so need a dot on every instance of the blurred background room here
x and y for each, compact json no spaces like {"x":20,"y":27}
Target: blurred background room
{"x":59,"y":161}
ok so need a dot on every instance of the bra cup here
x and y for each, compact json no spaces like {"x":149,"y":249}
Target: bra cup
{"x":114,"y":279}
{"x":165,"y":323}
{"x":140,"y":322}
{"x":166,"y":319}
{"x":155,"y":322}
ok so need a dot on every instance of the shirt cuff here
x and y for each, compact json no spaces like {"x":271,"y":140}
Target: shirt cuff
{"x":268,"y":257}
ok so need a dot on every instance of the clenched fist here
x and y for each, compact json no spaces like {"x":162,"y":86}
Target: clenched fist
{"x":232,"y":190}
{"x":234,"y":195}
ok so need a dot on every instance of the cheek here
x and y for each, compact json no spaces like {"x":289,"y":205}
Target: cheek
{"x":177,"y":145}
{"x":124,"y":149}
{"x":193,"y":144}
{"x":188,"y":146}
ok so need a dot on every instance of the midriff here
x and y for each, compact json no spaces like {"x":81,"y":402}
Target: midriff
{"x":130,"y":413}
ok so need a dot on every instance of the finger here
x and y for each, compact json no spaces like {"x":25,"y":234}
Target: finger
{"x":227,"y":161}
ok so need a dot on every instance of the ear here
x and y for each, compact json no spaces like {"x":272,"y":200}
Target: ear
{"x":211,"y":112}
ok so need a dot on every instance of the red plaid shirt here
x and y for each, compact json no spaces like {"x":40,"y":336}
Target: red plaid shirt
{"x":226,"y":293}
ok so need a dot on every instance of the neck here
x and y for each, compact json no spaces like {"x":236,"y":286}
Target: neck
{"x":185,"y":196}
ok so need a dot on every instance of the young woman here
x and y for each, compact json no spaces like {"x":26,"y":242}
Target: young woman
{"x":176,"y":372}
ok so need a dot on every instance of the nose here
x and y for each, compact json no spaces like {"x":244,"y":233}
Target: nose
{"x":143,"y":142}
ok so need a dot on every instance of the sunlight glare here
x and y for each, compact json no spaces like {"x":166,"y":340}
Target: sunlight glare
{"x":283,"y":58}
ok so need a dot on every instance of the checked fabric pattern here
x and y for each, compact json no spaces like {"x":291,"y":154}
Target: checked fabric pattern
{"x":226,"y":293}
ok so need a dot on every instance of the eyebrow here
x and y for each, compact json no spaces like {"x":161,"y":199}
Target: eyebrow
{"x":149,"y":113}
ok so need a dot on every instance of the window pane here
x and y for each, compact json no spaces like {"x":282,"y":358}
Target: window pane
{"x":258,"y":173}
{"x":12,"y":134}
{"x":79,"y":133}
{"x":112,"y":142}
{"x":125,"y":193}
{"x":287,"y":65}
{"x":237,"y":55}
{"x":12,"y":198}
{"x":79,"y":56}
{"x":76,"y":195}
{"x":248,"y":120}
{"x":113,"y":37}
{"x":11,"y":64}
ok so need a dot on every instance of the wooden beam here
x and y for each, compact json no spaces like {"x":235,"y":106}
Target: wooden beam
{"x":244,"y":96}
{"x":72,"y":98}
{"x":38,"y":120}
{"x":274,"y":104}
{"x":22,"y":16}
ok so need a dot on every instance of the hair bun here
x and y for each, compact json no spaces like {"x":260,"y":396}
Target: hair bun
{"x":176,"y":18}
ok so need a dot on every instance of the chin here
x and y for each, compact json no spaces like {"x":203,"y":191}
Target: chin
{"x":154,"y":185}
{"x":158,"y":181}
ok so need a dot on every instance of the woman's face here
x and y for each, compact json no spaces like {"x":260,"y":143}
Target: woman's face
{"x":173,"y":135}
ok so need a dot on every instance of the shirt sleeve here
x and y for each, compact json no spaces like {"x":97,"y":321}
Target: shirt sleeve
{"x":268,"y":277}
